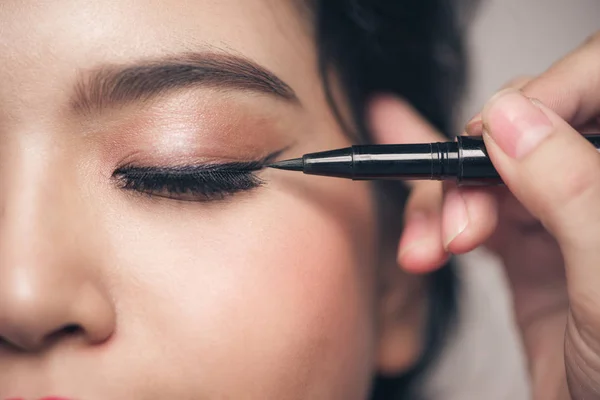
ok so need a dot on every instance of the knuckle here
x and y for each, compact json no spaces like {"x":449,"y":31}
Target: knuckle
{"x":518,"y":82}
{"x":579,"y":182}
{"x":426,"y":193}
{"x":579,"y":187}
{"x":425,"y":197}
{"x":585,"y":311}
{"x":583,"y":306}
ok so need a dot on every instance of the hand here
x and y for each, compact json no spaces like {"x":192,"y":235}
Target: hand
{"x":547,"y":233}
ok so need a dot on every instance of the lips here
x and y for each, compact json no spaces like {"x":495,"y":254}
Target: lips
{"x":54,"y":398}
{"x":43,"y":398}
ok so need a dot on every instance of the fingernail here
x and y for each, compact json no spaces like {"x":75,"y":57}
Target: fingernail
{"x":515,"y":123}
{"x":416,"y":233}
{"x":474,"y":126}
{"x":456,"y":216}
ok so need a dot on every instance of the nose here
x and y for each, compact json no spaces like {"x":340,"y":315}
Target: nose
{"x":51,"y":288}
{"x":37,"y":311}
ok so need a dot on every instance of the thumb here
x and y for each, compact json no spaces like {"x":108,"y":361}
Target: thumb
{"x":555,"y":174}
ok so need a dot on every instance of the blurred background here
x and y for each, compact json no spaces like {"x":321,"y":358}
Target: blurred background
{"x":508,"y":38}
{"x":515,"y":37}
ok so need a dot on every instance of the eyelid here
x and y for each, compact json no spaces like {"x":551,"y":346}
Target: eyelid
{"x":246,"y":165}
{"x":187,"y":183}
{"x":200,"y":182}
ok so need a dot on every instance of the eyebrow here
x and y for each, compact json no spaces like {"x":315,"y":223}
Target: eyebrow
{"x":114,"y":85}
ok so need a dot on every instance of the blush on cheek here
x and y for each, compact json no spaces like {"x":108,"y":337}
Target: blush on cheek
{"x":302,"y":313}
{"x":332,"y":325}
{"x":296,"y":316}
{"x":275,"y":294}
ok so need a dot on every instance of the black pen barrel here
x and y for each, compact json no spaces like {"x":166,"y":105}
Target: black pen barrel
{"x":465,"y":161}
{"x":401,"y":161}
{"x":337,"y":163}
{"x":406,"y":161}
{"x":474,"y":165}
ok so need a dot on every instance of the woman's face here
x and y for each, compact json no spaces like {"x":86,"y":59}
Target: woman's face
{"x":133,"y":263}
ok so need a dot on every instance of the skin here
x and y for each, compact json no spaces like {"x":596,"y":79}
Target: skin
{"x":271,"y":293}
{"x":544,"y":226}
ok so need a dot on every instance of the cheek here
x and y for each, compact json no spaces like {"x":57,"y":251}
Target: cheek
{"x":274,"y":293}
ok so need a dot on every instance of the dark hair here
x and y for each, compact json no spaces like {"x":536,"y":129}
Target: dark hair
{"x":414,"y":49}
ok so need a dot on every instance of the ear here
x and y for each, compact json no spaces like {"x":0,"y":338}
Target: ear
{"x":402,"y":320}
{"x":421,"y":248}
{"x":393,"y":120}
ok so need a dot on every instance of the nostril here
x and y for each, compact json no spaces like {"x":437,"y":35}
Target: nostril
{"x":65,"y":331}
{"x":71,"y":329}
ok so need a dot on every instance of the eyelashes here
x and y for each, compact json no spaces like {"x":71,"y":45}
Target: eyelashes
{"x":192,"y":183}
{"x":202,"y":182}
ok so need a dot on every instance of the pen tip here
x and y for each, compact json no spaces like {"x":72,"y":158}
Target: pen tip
{"x":296,"y":164}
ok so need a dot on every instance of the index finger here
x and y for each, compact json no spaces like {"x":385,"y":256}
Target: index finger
{"x":571,"y":86}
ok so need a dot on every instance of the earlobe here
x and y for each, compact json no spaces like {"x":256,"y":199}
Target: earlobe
{"x":402,"y":316}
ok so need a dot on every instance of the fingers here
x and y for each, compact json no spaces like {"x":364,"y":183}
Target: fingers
{"x":518,"y":82}
{"x":555,"y":173}
{"x":571,"y":86}
{"x":470,"y":216}
{"x":475,"y":125}
{"x":420,"y":249}
{"x":422,"y":246}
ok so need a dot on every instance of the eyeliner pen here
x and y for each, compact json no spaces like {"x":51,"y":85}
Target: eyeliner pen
{"x":466,"y":161}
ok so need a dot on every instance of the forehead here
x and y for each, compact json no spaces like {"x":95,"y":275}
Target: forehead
{"x":145,"y":21}
{"x":44,"y":43}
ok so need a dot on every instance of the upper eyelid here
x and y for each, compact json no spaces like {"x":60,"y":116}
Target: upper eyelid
{"x":238,"y":166}
{"x":191,"y":168}
{"x":199,"y":169}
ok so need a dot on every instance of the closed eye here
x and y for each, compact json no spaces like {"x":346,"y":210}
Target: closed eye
{"x":201,"y":182}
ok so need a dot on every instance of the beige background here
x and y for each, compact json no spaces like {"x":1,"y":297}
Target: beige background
{"x":508,"y":38}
